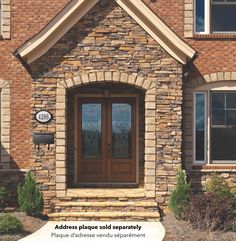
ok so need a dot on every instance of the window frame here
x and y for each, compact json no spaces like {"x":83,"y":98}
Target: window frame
{"x":208,"y":160}
{"x":200,"y":162}
{"x":207,"y":19}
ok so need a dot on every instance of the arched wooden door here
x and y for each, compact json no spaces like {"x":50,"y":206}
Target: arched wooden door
{"x":106,"y":140}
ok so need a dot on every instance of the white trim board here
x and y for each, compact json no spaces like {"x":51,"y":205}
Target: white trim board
{"x":76,"y":9}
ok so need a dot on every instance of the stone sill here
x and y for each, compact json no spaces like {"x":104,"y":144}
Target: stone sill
{"x":214,"y":168}
{"x":216,"y":36}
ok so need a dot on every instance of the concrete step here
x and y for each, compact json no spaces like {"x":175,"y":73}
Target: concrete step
{"x":70,"y":216}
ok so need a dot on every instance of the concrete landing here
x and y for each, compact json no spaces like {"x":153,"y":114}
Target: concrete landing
{"x":101,"y":230}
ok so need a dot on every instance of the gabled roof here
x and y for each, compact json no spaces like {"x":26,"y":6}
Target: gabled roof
{"x":76,"y":9}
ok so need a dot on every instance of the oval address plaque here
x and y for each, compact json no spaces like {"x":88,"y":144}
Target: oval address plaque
{"x":43,"y":116}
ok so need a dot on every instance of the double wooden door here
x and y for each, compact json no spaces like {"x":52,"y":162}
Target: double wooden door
{"x":106,"y":140}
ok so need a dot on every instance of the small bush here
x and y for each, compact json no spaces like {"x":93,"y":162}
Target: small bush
{"x":3,"y":197}
{"x":29,"y":197}
{"x":220,"y":187}
{"x":7,"y":238}
{"x":180,"y":196}
{"x":208,"y":211}
{"x":10,"y":224}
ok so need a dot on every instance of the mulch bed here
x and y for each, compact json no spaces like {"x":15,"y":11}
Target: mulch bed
{"x":30,"y":225}
{"x":177,"y":230}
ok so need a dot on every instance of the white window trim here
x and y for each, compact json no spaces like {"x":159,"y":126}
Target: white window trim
{"x":207,"y":25}
{"x":190,"y":16}
{"x":207,"y":19}
{"x":207,"y":16}
{"x":207,"y":91}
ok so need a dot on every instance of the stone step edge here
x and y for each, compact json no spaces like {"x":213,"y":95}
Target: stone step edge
{"x":106,"y":204}
{"x":105,"y":214}
{"x":106,"y":193}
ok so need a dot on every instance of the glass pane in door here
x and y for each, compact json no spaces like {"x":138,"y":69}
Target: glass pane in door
{"x":121,"y":130}
{"x":91,"y":130}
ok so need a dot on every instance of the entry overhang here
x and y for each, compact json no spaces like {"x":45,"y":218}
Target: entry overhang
{"x":76,"y":9}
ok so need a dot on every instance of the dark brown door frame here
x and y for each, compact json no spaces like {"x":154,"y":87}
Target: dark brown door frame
{"x":106,"y":135}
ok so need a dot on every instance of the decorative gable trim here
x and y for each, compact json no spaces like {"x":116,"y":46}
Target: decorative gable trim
{"x":5,"y":21}
{"x":76,"y":9}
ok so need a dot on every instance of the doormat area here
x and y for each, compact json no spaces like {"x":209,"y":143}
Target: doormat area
{"x":88,"y":231}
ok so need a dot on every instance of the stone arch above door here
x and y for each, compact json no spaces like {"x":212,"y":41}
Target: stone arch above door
{"x":146,"y":84}
{"x":107,"y":76}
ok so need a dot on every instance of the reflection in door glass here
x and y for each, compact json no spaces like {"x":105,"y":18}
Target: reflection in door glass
{"x":91,"y":130}
{"x":121,"y":131}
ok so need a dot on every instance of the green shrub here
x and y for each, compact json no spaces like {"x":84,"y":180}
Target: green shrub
{"x":180,"y":196}
{"x":208,"y":211}
{"x":220,"y":187}
{"x":3,"y":197}
{"x":10,"y":224}
{"x":30,"y":198}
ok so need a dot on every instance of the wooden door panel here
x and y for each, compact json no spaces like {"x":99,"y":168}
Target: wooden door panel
{"x":121,"y":167}
{"x":123,"y":139}
{"x":106,"y":140}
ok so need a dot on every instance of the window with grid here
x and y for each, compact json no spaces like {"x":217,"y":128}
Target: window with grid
{"x":215,"y":127}
{"x":215,"y":16}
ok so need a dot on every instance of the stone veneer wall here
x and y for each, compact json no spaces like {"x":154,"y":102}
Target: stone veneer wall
{"x":109,"y":46}
{"x":198,"y":175}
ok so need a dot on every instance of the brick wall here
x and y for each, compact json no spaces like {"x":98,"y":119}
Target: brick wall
{"x":218,"y":53}
{"x":23,"y":27}
{"x":215,"y":53}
